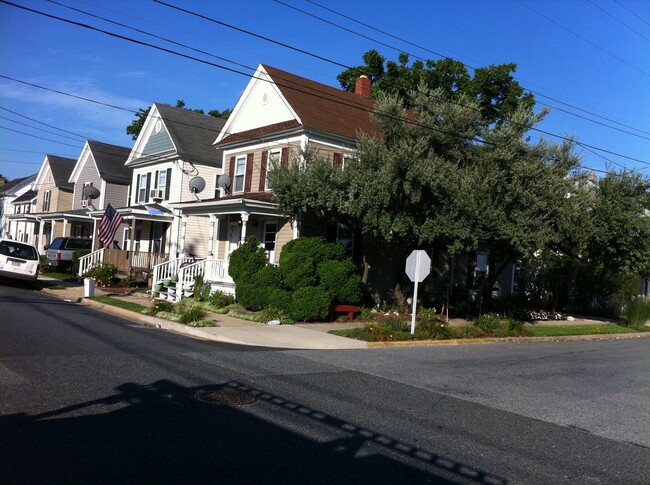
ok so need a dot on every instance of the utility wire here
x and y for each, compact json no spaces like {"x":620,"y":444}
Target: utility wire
{"x":541,"y":14}
{"x":401,"y":39}
{"x":637,"y":16}
{"x":289,"y":87}
{"x":619,"y":21}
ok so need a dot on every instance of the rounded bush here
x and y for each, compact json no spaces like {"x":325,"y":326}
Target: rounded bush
{"x":280,"y":299}
{"x":300,"y":258}
{"x":310,"y":303}
{"x":340,"y":279}
{"x":247,"y":259}
{"x":251,"y":296}
{"x":269,"y":276}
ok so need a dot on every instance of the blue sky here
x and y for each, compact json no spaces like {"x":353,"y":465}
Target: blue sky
{"x":592,"y":55}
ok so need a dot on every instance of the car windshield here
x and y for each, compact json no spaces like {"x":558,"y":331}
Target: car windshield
{"x":17,"y":250}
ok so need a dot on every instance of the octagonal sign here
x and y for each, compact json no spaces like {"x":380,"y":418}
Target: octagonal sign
{"x":418,"y":265}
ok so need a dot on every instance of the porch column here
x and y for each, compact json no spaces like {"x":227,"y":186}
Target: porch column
{"x":95,"y":236}
{"x":40,"y":235}
{"x":244,"y":221}
{"x":65,"y":227}
{"x":182,"y":241}
{"x":214,"y":229}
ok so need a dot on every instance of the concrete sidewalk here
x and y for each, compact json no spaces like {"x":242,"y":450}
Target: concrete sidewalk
{"x":231,"y":330}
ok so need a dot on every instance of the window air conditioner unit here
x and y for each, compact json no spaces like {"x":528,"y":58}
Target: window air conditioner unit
{"x":156,"y":194}
{"x":84,"y":203}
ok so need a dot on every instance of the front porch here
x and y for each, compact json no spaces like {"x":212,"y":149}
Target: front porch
{"x":127,"y":262}
{"x":174,"y":280}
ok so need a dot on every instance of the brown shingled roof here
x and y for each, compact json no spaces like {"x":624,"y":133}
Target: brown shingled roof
{"x":319,"y":106}
{"x":323,"y":107}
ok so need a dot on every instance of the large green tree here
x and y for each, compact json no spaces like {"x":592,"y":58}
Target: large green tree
{"x":429,"y":180}
{"x":136,"y":125}
{"x":494,"y":88}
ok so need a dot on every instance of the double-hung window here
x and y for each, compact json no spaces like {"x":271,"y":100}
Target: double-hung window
{"x":47,"y":197}
{"x":274,"y":160}
{"x":142,"y":191}
{"x":240,"y":174}
{"x":162,"y":182}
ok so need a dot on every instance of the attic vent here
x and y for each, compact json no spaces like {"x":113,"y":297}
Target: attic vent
{"x":158,"y":126}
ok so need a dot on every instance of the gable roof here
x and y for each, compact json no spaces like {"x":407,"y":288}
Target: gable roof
{"x":26,"y":197}
{"x":61,"y":169}
{"x":7,"y":187}
{"x":110,"y":160}
{"x":318,"y":107}
{"x":191,"y":133}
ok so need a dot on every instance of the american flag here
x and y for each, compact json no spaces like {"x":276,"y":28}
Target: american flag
{"x":111,"y":220}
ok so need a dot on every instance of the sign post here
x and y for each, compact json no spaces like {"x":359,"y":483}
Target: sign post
{"x":418,"y":266}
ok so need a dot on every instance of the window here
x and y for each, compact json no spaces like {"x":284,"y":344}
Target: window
{"x":274,"y":160}
{"x":240,"y":174}
{"x":162,"y":181}
{"x":47,"y":197}
{"x":142,"y":191}
{"x":270,"y":230}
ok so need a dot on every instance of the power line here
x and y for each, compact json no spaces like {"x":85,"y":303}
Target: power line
{"x":42,"y":123}
{"x":401,"y":39}
{"x":583,"y":38}
{"x":36,"y":128}
{"x":619,"y":21}
{"x":289,"y":87}
{"x":637,"y":16}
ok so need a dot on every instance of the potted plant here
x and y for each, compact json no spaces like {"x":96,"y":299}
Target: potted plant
{"x":174,"y":278}
{"x":167,"y":281}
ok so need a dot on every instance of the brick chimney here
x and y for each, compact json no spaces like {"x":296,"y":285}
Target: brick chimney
{"x":362,"y":86}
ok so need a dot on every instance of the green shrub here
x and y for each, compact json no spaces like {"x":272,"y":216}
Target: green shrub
{"x":129,"y":282}
{"x":198,"y":287}
{"x":192,"y":314}
{"x":76,"y":256}
{"x":637,"y":312}
{"x":251,"y":296}
{"x":247,"y":259}
{"x":269,"y":276}
{"x":341,"y":280}
{"x":161,"y":306}
{"x":219,"y":299}
{"x":488,"y":322}
{"x":280,"y":299}
{"x":103,"y":274}
{"x":366,"y":314}
{"x":310,"y":303}
{"x":381,"y":332}
{"x":300,"y":258}
{"x":272,"y":313}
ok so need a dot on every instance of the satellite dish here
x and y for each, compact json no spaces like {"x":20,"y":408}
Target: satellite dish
{"x":90,"y":192}
{"x":197,"y":184}
{"x":223,"y":182}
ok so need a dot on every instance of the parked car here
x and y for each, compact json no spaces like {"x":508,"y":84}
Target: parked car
{"x":60,"y":253}
{"x":18,"y":260}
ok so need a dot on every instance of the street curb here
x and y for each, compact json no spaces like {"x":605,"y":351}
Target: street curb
{"x":567,"y":338}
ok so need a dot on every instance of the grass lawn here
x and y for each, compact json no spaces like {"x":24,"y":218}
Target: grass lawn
{"x":470,"y":331}
{"x":61,"y":276}
{"x":126,"y":305}
{"x":562,"y":330}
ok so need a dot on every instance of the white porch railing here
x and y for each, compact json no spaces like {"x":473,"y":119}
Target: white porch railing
{"x":214,"y":272}
{"x":89,"y":261}
{"x":168,"y":269}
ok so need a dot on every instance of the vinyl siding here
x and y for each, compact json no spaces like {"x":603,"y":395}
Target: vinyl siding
{"x":88,"y":175}
{"x":197,"y":236}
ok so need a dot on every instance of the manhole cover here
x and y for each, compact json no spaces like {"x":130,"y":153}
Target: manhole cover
{"x":229,"y":397}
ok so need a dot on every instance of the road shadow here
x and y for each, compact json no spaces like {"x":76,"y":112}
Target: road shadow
{"x":229,"y":433}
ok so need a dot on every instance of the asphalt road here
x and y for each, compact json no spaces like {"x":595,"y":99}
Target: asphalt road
{"x":89,"y":398}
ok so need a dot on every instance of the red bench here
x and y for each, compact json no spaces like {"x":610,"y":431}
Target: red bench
{"x":349,"y":309}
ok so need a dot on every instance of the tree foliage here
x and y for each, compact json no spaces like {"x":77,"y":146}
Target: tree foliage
{"x":494,"y":88}
{"x":136,"y":125}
